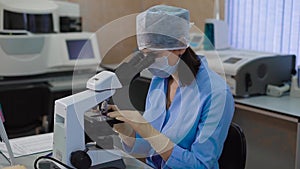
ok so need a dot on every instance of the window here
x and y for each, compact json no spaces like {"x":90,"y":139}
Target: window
{"x":264,"y":25}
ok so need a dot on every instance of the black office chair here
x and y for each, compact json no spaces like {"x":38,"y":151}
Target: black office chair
{"x":234,"y":152}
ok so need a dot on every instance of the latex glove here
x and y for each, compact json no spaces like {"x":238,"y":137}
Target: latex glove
{"x":121,"y":128}
{"x":158,"y":141}
{"x":125,"y":131}
{"x":15,"y":167}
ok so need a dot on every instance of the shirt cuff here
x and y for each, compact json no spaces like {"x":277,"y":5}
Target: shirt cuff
{"x":141,"y":146}
{"x":174,"y":162}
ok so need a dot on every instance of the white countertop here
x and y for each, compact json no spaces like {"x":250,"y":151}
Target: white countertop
{"x":285,"y":104}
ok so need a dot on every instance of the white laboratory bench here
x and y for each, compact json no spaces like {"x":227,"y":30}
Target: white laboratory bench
{"x":28,"y":161}
{"x":272,"y":130}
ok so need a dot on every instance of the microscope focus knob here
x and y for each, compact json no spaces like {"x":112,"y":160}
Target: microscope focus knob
{"x":80,"y":159}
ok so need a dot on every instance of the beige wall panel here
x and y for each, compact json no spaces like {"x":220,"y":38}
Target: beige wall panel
{"x":116,"y":40}
{"x":199,"y":9}
{"x":98,"y":13}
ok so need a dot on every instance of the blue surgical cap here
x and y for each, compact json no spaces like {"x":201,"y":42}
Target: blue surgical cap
{"x":163,"y":27}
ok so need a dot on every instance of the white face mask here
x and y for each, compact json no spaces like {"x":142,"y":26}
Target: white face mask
{"x":161,"y":67}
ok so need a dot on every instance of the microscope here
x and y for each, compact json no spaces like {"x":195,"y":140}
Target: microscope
{"x":69,"y":144}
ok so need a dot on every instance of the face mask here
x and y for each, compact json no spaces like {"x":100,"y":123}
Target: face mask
{"x":161,"y":67}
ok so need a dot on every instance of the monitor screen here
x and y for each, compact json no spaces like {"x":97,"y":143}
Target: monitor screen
{"x":40,"y":23}
{"x":80,"y":49}
{"x":232,"y":60}
{"x":14,"y":20}
{"x":36,"y":23}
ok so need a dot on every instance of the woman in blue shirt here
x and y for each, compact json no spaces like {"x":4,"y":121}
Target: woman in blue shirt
{"x":188,"y":107}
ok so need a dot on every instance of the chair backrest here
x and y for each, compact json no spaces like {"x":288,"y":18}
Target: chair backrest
{"x":234,"y":151}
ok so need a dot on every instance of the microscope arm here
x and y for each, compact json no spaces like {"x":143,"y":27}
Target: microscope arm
{"x":126,"y":71}
{"x":69,"y":115}
{"x":69,"y":111}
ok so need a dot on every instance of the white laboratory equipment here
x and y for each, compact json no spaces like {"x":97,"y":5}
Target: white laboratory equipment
{"x":295,"y":86}
{"x":48,"y":53}
{"x":30,"y":35}
{"x":69,"y":120}
{"x":69,"y":114}
{"x":44,"y":56}
{"x":216,"y":31}
{"x":37,"y":16}
{"x":249,"y":72}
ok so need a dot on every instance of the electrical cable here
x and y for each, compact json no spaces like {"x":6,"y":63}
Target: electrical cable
{"x":50,"y":158}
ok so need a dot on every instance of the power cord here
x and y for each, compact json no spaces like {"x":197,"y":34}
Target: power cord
{"x":52,"y":159}
{"x":79,"y":159}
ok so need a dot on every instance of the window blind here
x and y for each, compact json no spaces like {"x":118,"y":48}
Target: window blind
{"x":264,"y":25}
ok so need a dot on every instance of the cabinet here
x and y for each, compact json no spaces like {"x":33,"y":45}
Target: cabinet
{"x":271,"y":127}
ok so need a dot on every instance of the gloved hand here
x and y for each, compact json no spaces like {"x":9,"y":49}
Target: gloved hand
{"x":157,"y":140}
{"x":125,"y":131}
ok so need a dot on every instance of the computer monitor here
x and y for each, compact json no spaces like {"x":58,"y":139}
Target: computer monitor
{"x":72,"y":50}
{"x":80,"y":49}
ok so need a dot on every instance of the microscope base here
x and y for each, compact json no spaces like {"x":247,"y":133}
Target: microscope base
{"x":112,"y":164}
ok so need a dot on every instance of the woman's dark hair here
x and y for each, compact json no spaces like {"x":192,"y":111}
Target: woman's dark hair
{"x":188,"y":66}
